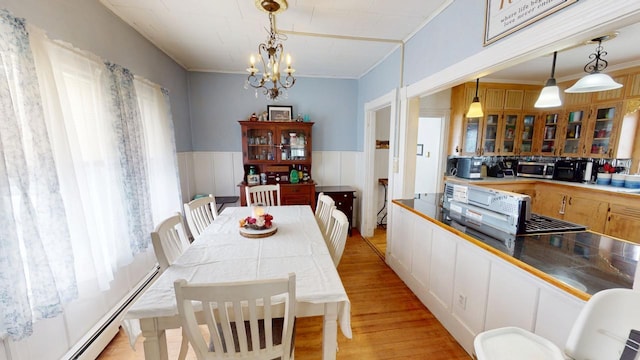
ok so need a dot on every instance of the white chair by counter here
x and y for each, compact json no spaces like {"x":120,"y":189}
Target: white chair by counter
{"x":268,"y":195}
{"x":169,"y":241}
{"x":600,"y":332}
{"x":200,"y":213}
{"x":324,"y":207}
{"x":336,"y":236}
{"x":258,"y":305}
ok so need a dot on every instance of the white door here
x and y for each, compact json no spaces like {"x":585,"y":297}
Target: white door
{"x":428,"y":154}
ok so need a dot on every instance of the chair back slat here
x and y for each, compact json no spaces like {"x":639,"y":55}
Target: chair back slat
{"x":169,"y":240}
{"x":324,"y":207}
{"x":240,"y":317}
{"x":200,"y":213}
{"x":267,"y":195}
{"x":336,"y":235}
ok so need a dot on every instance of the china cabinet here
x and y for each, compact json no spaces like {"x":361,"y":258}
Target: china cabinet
{"x":271,"y":152}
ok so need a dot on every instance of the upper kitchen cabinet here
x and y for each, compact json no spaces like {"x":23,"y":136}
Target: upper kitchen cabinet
{"x":498,"y":132}
{"x":548,"y":143}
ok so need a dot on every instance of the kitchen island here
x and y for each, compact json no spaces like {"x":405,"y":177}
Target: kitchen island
{"x":472,"y":282}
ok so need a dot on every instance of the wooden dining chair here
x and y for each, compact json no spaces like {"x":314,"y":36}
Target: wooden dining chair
{"x":268,"y":195}
{"x":265,"y":308}
{"x":169,"y":241}
{"x":200,"y":213}
{"x":336,"y":235}
{"x":324,"y":207}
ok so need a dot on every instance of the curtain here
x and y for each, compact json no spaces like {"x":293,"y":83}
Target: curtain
{"x":86,"y":168}
{"x":36,"y":261}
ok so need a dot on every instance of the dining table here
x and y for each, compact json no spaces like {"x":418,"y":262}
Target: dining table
{"x":222,"y":253}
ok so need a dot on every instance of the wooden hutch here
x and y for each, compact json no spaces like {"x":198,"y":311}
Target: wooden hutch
{"x":275,"y":148}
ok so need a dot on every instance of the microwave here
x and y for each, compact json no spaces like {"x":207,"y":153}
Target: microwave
{"x":573,"y":170}
{"x":469,"y":168}
{"x":532,"y":169}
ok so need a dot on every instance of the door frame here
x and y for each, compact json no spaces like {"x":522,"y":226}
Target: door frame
{"x":368,"y":208}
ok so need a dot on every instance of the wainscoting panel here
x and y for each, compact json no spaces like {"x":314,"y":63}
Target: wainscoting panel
{"x":219,"y":173}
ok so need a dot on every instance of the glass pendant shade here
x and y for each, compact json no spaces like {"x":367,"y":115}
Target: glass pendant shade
{"x":550,"y":94}
{"x":475,"y":109}
{"x":594,"y":82}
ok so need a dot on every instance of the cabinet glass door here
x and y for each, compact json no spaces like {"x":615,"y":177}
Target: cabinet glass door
{"x":293,"y":141}
{"x":603,"y":131}
{"x":549,"y":141}
{"x":471,"y":136}
{"x":490,"y":133}
{"x":526,"y":140}
{"x":573,"y":134}
{"x":509,"y":134}
{"x":260,"y":145}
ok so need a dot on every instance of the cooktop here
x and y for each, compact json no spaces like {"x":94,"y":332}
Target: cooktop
{"x":542,"y":224}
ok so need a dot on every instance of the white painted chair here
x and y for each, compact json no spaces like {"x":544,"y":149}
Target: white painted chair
{"x":169,"y":241}
{"x":324,"y":207}
{"x":601,"y":332}
{"x":259,"y":305}
{"x":200,"y":213}
{"x":268,"y":195}
{"x":336,"y":235}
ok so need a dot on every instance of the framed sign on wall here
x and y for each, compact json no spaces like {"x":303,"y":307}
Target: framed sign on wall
{"x":504,"y":17}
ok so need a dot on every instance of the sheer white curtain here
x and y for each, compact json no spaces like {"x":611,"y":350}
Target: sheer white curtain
{"x":36,"y":261}
{"x":87,"y":166}
{"x":162,"y":161}
{"x":85,"y":150}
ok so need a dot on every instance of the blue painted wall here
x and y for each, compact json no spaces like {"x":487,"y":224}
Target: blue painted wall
{"x":88,"y":25}
{"x":218,"y":101}
{"x":452,"y":36}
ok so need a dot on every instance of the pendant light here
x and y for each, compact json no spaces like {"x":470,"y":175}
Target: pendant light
{"x":475,"y":109}
{"x":550,"y":94}
{"x":596,"y":80}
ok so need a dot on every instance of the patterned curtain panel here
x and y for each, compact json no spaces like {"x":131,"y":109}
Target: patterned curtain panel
{"x":127,"y":125}
{"x":36,"y":258}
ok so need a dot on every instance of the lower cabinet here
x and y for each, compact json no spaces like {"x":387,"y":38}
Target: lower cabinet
{"x":623,"y":222}
{"x":470,"y":290}
{"x":291,"y":194}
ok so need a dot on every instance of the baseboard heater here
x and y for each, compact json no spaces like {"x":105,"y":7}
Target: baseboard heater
{"x":79,"y":351}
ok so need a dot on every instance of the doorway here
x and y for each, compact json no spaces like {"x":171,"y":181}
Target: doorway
{"x":428,"y":155}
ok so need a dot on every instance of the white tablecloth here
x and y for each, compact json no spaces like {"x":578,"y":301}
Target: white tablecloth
{"x":221,"y":254}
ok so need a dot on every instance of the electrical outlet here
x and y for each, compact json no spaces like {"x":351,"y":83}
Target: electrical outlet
{"x":462,"y":301}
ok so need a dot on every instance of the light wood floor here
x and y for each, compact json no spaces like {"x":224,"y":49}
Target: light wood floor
{"x":387,"y":320}
{"x":379,"y":241}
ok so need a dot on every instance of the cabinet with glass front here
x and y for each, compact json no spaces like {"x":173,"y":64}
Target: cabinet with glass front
{"x":271,"y":151}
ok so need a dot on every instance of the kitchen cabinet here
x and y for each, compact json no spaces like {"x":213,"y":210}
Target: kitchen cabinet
{"x":497,"y":132}
{"x":276,"y":148}
{"x":548,"y":142}
{"x":527,"y":134}
{"x":623,"y":222}
{"x":604,"y":129}
{"x":573,"y":205}
{"x":343,"y":197}
{"x":573,"y":131}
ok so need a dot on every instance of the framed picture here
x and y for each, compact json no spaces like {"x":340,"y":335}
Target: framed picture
{"x":280,"y":112}
{"x":420,"y":149}
{"x":504,"y":17}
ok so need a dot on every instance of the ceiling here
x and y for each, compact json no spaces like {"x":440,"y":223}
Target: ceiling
{"x":329,"y":38}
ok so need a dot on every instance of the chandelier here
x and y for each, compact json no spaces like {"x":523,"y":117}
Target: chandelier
{"x":270,"y":54}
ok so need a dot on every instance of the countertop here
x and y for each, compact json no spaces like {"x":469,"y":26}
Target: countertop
{"x":516,"y":179}
{"x":581,"y":263}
